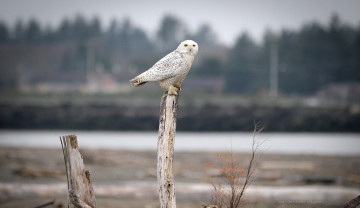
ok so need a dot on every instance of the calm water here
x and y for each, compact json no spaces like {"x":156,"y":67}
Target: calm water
{"x":289,"y":143}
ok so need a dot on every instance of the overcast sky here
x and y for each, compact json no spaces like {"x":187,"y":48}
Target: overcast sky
{"x":228,"y":18}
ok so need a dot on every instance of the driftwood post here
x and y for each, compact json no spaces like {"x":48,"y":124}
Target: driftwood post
{"x":165,"y":151}
{"x":353,"y":203}
{"x":81,"y":192}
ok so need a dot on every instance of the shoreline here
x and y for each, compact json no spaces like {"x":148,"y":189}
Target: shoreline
{"x":272,"y":143}
{"x":208,"y":117}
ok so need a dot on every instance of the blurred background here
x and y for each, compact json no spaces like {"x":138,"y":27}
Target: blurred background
{"x":293,"y":66}
{"x":67,"y":65}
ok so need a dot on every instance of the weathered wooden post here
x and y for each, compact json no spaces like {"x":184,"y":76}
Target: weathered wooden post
{"x":81,"y":192}
{"x":165,"y":151}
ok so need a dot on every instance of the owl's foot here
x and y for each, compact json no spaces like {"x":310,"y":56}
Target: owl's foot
{"x":173,"y":90}
{"x":177,"y":85}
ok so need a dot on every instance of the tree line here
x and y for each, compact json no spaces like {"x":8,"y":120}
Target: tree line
{"x":309,"y":58}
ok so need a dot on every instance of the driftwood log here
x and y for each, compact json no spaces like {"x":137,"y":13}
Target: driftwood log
{"x":81,"y":192}
{"x":165,"y":151}
{"x":355,"y":202}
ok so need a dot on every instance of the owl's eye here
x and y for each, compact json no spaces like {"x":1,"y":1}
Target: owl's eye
{"x":194,"y":45}
{"x":186,"y":45}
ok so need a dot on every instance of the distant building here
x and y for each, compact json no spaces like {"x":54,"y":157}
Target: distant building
{"x":51,"y":82}
{"x":342,"y":93}
{"x":99,"y":81}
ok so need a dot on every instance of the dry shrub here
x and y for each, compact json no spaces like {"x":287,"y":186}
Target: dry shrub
{"x":236,"y":178}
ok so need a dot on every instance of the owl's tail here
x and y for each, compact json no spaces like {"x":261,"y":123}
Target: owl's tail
{"x":137,"y":82}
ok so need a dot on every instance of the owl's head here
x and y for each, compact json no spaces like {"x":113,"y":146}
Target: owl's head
{"x":188,"y":47}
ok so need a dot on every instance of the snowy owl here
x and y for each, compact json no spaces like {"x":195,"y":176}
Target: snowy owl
{"x":171,"y":70}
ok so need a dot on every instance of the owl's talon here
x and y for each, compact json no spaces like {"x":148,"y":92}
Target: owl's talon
{"x":177,"y":85}
{"x":173,"y":90}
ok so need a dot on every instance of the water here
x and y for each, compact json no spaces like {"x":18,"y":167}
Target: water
{"x":287,"y":143}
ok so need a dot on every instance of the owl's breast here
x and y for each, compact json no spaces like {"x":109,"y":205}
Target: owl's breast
{"x":181,"y":70}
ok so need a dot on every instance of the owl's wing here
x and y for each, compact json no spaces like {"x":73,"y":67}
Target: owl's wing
{"x":168,"y":67}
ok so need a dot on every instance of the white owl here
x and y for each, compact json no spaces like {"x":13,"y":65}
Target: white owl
{"x":171,"y":70}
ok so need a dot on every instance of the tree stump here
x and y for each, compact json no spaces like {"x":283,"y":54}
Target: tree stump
{"x":81,"y":192}
{"x":165,"y":151}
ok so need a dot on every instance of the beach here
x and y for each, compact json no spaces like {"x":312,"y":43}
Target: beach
{"x":127,"y":178}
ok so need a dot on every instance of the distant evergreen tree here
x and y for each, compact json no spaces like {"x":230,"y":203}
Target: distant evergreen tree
{"x":48,"y":34}
{"x":125,"y":36}
{"x":64,"y":31}
{"x":4,"y":33}
{"x":95,"y":27}
{"x":19,"y":31}
{"x":317,"y":56}
{"x":111,"y":35}
{"x":113,"y":29}
{"x":204,"y":36}
{"x":132,"y":40}
{"x":241,"y":74}
{"x":80,"y":28}
{"x":140,"y":41}
{"x":33,"y":31}
{"x":171,"y":32}
{"x":356,"y":57}
{"x":210,"y":66}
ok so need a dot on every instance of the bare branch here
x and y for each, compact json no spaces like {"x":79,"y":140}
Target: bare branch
{"x":233,"y":173}
{"x":45,"y":204}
